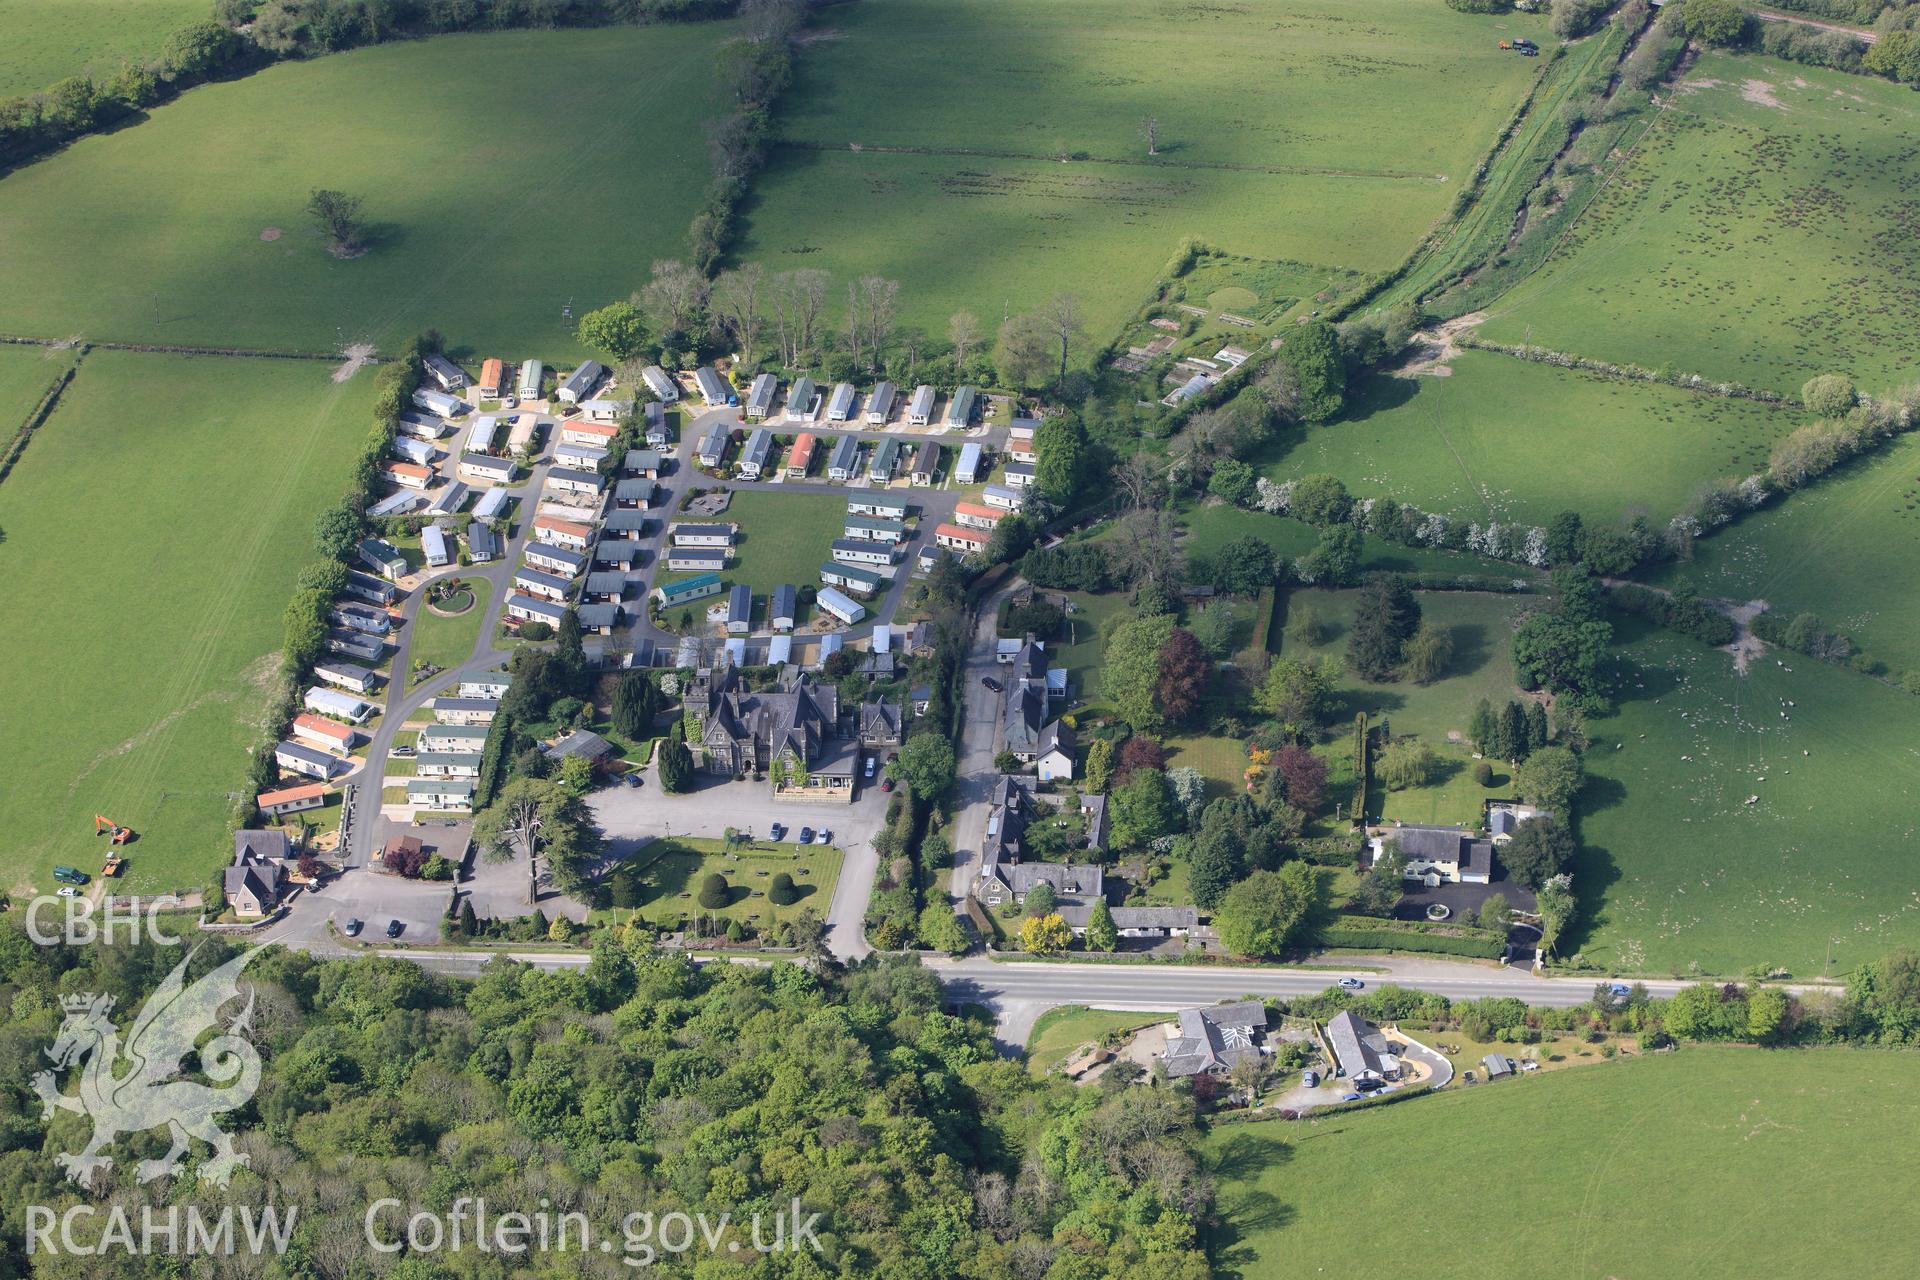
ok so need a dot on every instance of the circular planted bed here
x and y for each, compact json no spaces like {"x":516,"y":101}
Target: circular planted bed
{"x":454,"y":603}
{"x":1438,"y":911}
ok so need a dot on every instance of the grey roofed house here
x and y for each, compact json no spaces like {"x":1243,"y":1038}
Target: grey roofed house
{"x":580,"y":742}
{"x":628,"y":520}
{"x":880,"y":403}
{"x":1057,"y":736}
{"x":1006,"y":823}
{"x":760,"y":396}
{"x":1457,"y":845}
{"x":782,"y":607}
{"x":483,"y":544}
{"x":261,"y":845}
{"x":1131,"y":922}
{"x":607,"y":584}
{"x":660,"y":383}
{"x":840,"y":406}
{"x":598,"y":617}
{"x":880,"y":723}
{"x":1212,"y":1039}
{"x":636,"y":491}
{"x":713,"y":388}
{"x":713,"y":445}
{"x":800,"y":399}
{"x":960,"y":408}
{"x":1497,"y":1065}
{"x":740,"y":607}
{"x":656,"y":425}
{"x":254,"y":880}
{"x":1018,"y":879}
{"x":642,"y":462}
{"x":581,"y":382}
{"x":1359,"y":1048}
{"x":879,"y":666}
{"x":840,"y":463}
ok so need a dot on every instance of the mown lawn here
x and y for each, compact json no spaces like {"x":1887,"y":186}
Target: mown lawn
{"x":448,"y":642}
{"x":1507,"y":440}
{"x":671,"y":871}
{"x":1057,"y":1033}
{"x":48,"y":40}
{"x":784,"y":538}
{"x":157,"y":521}
{"x":1631,"y":1169}
{"x":960,"y":182}
{"x":505,"y":177}
{"x":1762,"y":233}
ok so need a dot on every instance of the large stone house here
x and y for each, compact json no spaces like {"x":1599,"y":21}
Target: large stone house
{"x":794,"y":733}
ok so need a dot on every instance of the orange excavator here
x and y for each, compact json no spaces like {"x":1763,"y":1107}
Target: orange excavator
{"x":107,"y":826}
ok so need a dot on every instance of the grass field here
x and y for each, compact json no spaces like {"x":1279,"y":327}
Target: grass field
{"x":1014,"y":168}
{"x":1058,"y":1032}
{"x":1619,"y":1170}
{"x":505,"y":176}
{"x":671,"y":871}
{"x":132,"y":687}
{"x":1211,"y":527}
{"x":1508,"y":440}
{"x":26,"y":373}
{"x":1844,"y":548}
{"x":48,"y":40}
{"x":784,"y":538}
{"x":1679,"y":868}
{"x":448,"y":642}
{"x":1761,"y":234}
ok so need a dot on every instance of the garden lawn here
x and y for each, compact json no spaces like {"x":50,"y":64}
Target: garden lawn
{"x":1633,"y":1169}
{"x":1222,"y":760}
{"x":958,"y":188}
{"x":1057,"y":1033}
{"x":49,"y":40}
{"x":448,"y":642}
{"x":671,"y":871}
{"x":1678,"y":868}
{"x":1094,"y":617}
{"x":783,"y":538}
{"x":158,"y":519}
{"x":1845,"y":548}
{"x":506,"y":177}
{"x":1506,"y":440}
{"x":1762,"y":234}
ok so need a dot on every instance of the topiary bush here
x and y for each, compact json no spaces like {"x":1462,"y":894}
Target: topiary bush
{"x":715,"y":893}
{"x":781,"y":893}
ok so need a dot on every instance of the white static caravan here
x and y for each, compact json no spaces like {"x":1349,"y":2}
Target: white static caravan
{"x":920,"y":408}
{"x":840,"y":406}
{"x":880,"y":404}
{"x":531,"y":374}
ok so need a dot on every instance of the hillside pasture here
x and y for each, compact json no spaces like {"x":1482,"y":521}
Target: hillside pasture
{"x":27,"y":373}
{"x":1507,"y":440}
{"x":1629,"y":1168}
{"x":1012,"y":164}
{"x":48,"y":40}
{"x":1762,"y":233}
{"x":156,"y":521}
{"x":505,"y":177}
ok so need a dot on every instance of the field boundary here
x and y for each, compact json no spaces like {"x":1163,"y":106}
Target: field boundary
{"x":173,"y":349}
{"x":1083,"y":157}
{"x":38,"y":415}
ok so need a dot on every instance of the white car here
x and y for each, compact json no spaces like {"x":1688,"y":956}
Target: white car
{"x":68,"y":891}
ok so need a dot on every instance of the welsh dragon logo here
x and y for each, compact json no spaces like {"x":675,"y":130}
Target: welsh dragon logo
{"x":139,"y":1086}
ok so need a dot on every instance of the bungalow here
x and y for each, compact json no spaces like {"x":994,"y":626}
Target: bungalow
{"x":960,"y":408}
{"x":420,"y":425}
{"x":433,"y":545}
{"x":920,"y":407}
{"x":568,"y":480}
{"x":801,"y":400}
{"x":645,"y":463}
{"x":678,"y":593}
{"x":852,"y":578}
{"x":450,"y":499}
{"x":443,"y":795}
{"x":973,"y":515}
{"x":527,"y":385}
{"x":493,"y":378}
{"x":880,"y":404}
{"x":1093,"y":808}
{"x":336,"y":705}
{"x":800,"y":457}
{"x":581,"y":457}
{"x":930,"y":557}
{"x":760,"y":397}
{"x":617,"y":553}
{"x":408,"y":449}
{"x":739,"y":609}
{"x":565,"y":560}
{"x":1055,"y":761}
{"x":453,"y":737}
{"x":871,"y":529}
{"x":1134,"y":922}
{"x":1359,"y":1050}
{"x":840,"y":403}
{"x":484,"y":435}
{"x":713,"y":388}
{"x":465,"y":710}
{"x":635,"y":493}
{"x":368,"y":587}
{"x":307,"y":761}
{"x":538,"y":582}
{"x":607,"y":409}
{"x":483,"y":544}
{"x":967,"y":541}
{"x":847,"y":611}
{"x":869,"y":503}
{"x":488,"y":684}
{"x":607,"y":586}
{"x":861,"y":551}
{"x":580,"y":431}
{"x":1211,"y":1041}
{"x":562,"y":533}
{"x":1006,"y":499}
{"x":346,"y":675}
{"x":696,"y":559}
{"x":886,"y":458}
{"x":967,"y":469}
{"x":1497,"y":1065}
{"x":447,"y":764}
{"x":842,"y":463}
{"x":658,"y":436}
{"x":1441,"y":854}
{"x":356,"y":644}
{"x":439,"y":402}
{"x":783,"y":607}
{"x":279,"y":803}
{"x":713,"y":446}
{"x":926,"y":461}
{"x":446,"y":375}
{"x":484,"y":470}
{"x":525,"y":608}
{"x":328,"y":735}
{"x":257,"y":877}
{"x":757,"y":453}
{"x":598,"y":619}
{"x":658,"y":381}
{"x":703,"y":535}
{"x":382,"y":557}
{"x":1019,"y":475}
{"x":408,"y":475}
{"x":492,"y":504}
{"x":357,"y":617}
{"x":581,"y":382}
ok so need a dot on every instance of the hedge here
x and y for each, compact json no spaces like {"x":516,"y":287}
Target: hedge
{"x":1365,"y":933}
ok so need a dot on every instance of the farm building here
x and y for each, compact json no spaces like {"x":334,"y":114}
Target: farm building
{"x":433,"y":545}
{"x":559,"y":559}
{"x":860,"y":551}
{"x":527,"y":385}
{"x":331,"y":702}
{"x":658,"y":436}
{"x":524,"y":608}
{"x":439,"y":402}
{"x":871,"y":503}
{"x":967,"y":470}
{"x":538,"y":582}
{"x":840,"y":403}
{"x":920,"y":408}
{"x":329,"y":735}
{"x":408,"y":475}
{"x":581,"y":431}
{"x":633,"y":494}
{"x":642,"y":462}
{"x":310,"y":762}
{"x":847,"y":611}
{"x":974,"y":515}
{"x":739,"y":609}
{"x":446,"y":375}
{"x":800,"y":400}
{"x":484,"y":435}
{"x":658,"y":381}
{"x":800,"y":457}
{"x":606,"y":586}
{"x":926,"y":461}
{"x":618,"y":553}
{"x":286,"y":800}
{"x":493,"y":378}
{"x":568,"y":480}
{"x":453,"y":737}
{"x":760,"y":397}
{"x":841,"y":464}
{"x":880,"y":404}
{"x":703,"y":535}
{"x":410,"y":450}
{"x":562,"y":533}
{"x":851,"y":577}
{"x":873,"y":529}
{"x":679,"y":593}
{"x":382,"y":557}
{"x":580,"y":383}
{"x":1019,"y":475}
{"x":465,"y":710}
{"x":441,"y":795}
{"x":583,"y":457}
{"x":1006,"y":499}
{"x":960,"y":408}
{"x":346,"y":675}
{"x":782,"y":607}
{"x":713,"y":388}
{"x":449,"y":500}
{"x":886,"y":457}
{"x":447,"y":764}
{"x":757,"y":453}
{"x":481,"y":469}
{"x":713,"y":446}
{"x":696,"y":559}
{"x":606,"y":409}
{"x":483,"y":544}
{"x":967,"y":541}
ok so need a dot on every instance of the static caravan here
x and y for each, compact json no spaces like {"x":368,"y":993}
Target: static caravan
{"x":570,"y":534}
{"x":483,"y":544}
{"x":559,"y":559}
{"x":357,"y":617}
{"x":481,"y":469}
{"x":583,"y":457}
{"x":538,"y":582}
{"x":307,"y":761}
{"x":960,"y":408}
{"x":678,"y":593}
{"x":757,"y":454}
{"x":926,"y":462}
{"x":441,"y":795}
{"x":688,"y":534}
{"x":606,"y":408}
{"x":760,"y":397}
{"x":800,"y":457}
{"x":346,"y":675}
{"x":840,"y":404}
{"x":842,"y":464}
{"x":520,"y":437}
{"x":433,"y":545}
{"x":532,"y":372}
{"x":967,"y":470}
{"x":713,"y":446}
{"x":635,"y":493}
{"x":782,"y":607}
{"x":397,"y":503}
{"x":492,"y":504}
{"x":871,"y":503}
{"x":975,"y":515}
{"x":368,"y":587}
{"x":800,"y":400}
{"x":851,"y":577}
{"x":569,"y":480}
{"x":449,"y":499}
{"x":408,"y":475}
{"x":439,"y":402}
{"x":739,"y":609}
{"x":421,"y":425}
{"x":642,"y":462}
{"x":526,"y":608}
{"x":418,"y":452}
{"x":880,"y":404}
{"x":920,"y":408}
{"x":465,"y":710}
{"x":493,"y":378}
{"x":618,"y":553}
{"x":965,"y":539}
{"x":861,"y":551}
{"x":660,"y":383}
{"x":484,"y":435}
{"x":658,"y":437}
{"x":581,"y":382}
{"x":1020,"y":475}
{"x":581,"y":431}
{"x":886,"y":457}
{"x":696,"y":559}
{"x":446,"y":375}
{"x":1006,"y":499}
{"x":840,"y":606}
{"x":331,"y":702}
{"x":454,"y":737}
{"x":713,"y":388}
{"x":873,"y":529}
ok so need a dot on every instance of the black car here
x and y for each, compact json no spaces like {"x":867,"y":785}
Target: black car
{"x":993,"y":686}
{"x":393,"y":928}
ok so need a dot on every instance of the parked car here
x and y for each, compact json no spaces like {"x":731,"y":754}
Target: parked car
{"x":403,"y":753}
{"x":871,"y":762}
{"x":993,"y":686}
{"x":1351,"y":984}
{"x":806,"y":835}
{"x":778,"y":831}
{"x":353,"y":926}
{"x":1368,"y":1086}
{"x":825,"y":837}
{"x":886,"y":784}
{"x":393,"y":928}
{"x":1349,"y":1097}
{"x":635,"y":780}
{"x":68,"y":891}
{"x":1311,"y":1079}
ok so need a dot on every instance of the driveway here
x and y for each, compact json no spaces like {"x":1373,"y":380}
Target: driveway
{"x":975,"y":774}
{"x":374,"y":897}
